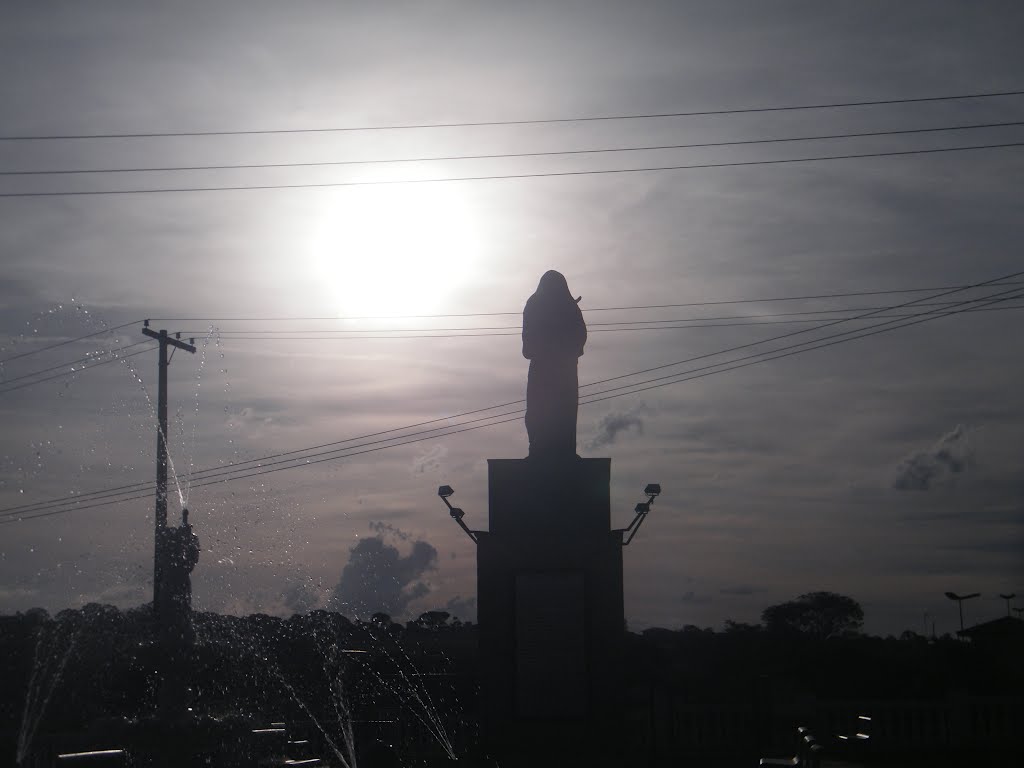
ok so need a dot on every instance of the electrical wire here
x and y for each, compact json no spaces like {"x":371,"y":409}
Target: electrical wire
{"x":501,"y":177}
{"x":222,"y":331}
{"x":66,"y":373}
{"x":227,"y":470}
{"x":720,"y":302}
{"x":214,"y":473}
{"x":69,"y":341}
{"x":863,"y":331}
{"x":427,"y":333}
{"x":536,"y":121}
{"x":229,"y":334}
{"x":88,"y":358}
{"x":507,"y":155}
{"x":515,"y":416}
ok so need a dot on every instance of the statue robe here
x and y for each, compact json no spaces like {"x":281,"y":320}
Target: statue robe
{"x":553,"y":338}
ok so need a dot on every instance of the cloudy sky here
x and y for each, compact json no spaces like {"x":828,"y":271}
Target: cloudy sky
{"x":887,"y":468}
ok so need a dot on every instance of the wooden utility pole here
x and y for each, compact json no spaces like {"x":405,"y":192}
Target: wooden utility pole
{"x":161,"y":451}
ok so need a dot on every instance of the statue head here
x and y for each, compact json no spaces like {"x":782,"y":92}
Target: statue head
{"x":553,"y":287}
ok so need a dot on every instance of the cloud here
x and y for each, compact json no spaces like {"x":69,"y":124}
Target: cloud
{"x":693,"y":598}
{"x":378,"y":577}
{"x":387,"y":529}
{"x":300,"y":598}
{"x":741,"y":590}
{"x":613,"y":424}
{"x":462,"y":607}
{"x":429,"y":461}
{"x":923,"y":469}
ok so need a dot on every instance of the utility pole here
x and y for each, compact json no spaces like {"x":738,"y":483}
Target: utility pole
{"x":161,"y":450}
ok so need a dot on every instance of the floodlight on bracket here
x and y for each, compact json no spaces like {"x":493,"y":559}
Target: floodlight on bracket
{"x":457,"y":514}
{"x":652,"y":491}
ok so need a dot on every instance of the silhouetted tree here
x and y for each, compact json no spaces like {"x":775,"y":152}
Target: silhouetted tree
{"x":820,"y":615}
{"x":433,"y":619}
{"x":741,"y":627}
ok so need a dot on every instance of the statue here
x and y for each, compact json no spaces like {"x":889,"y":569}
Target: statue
{"x":179,"y":549}
{"x":553,"y":338}
{"x":181,"y":553}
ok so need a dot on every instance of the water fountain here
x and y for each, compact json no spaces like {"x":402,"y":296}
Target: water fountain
{"x":171,"y":715}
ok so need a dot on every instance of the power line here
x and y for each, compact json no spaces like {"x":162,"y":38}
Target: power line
{"x":771,"y":300}
{"x":861,"y":335}
{"x":505,"y":155}
{"x":993,"y":283}
{"x":65,"y":373}
{"x":472,"y":332}
{"x":861,"y":331}
{"x":514,"y":416}
{"x":535,"y":121}
{"x":87,"y":359}
{"x":228,"y":334}
{"x":69,"y":341}
{"x":502,"y":177}
{"x":427,"y":335}
{"x":228,"y":470}
{"x":233,"y":473}
{"x":222,"y":331}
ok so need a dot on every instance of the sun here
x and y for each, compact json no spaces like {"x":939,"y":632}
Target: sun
{"x":394,"y":249}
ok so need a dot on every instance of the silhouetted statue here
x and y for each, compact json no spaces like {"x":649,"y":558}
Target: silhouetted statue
{"x":181,"y":553}
{"x":179,"y":548}
{"x":553,"y":338}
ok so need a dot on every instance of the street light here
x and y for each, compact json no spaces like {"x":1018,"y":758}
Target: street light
{"x":457,"y":514}
{"x":960,"y":603}
{"x":652,"y":491}
{"x":1008,"y":598}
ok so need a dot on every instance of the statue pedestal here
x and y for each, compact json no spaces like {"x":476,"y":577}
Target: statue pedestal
{"x":550,"y":609}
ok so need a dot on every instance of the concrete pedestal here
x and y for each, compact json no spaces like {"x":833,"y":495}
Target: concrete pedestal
{"x":550,"y":610}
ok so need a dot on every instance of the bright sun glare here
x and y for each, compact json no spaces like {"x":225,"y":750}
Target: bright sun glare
{"x":394,"y":250}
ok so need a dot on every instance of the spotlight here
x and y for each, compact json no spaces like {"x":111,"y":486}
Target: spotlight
{"x":652,"y":491}
{"x":445,"y":491}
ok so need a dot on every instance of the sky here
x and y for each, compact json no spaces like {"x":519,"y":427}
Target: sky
{"x":888,"y":468}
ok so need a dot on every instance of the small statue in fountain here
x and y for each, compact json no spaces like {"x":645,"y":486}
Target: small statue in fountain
{"x":182,"y":554}
{"x":553,"y":338}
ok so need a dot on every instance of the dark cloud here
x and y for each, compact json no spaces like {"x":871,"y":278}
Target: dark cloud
{"x":693,"y":598}
{"x":462,"y":607}
{"x":741,"y":590}
{"x":387,"y":529}
{"x":300,"y":598}
{"x":378,"y":577}
{"x":613,"y":424}
{"x":924,"y":469}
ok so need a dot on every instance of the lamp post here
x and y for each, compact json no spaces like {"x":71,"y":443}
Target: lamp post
{"x":960,"y":603}
{"x":457,"y":514}
{"x":652,"y":491}
{"x":1008,"y":598}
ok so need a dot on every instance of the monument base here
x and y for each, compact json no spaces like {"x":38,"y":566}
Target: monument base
{"x":550,"y":609}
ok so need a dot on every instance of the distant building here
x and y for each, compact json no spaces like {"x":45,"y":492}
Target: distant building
{"x":1001,"y":638}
